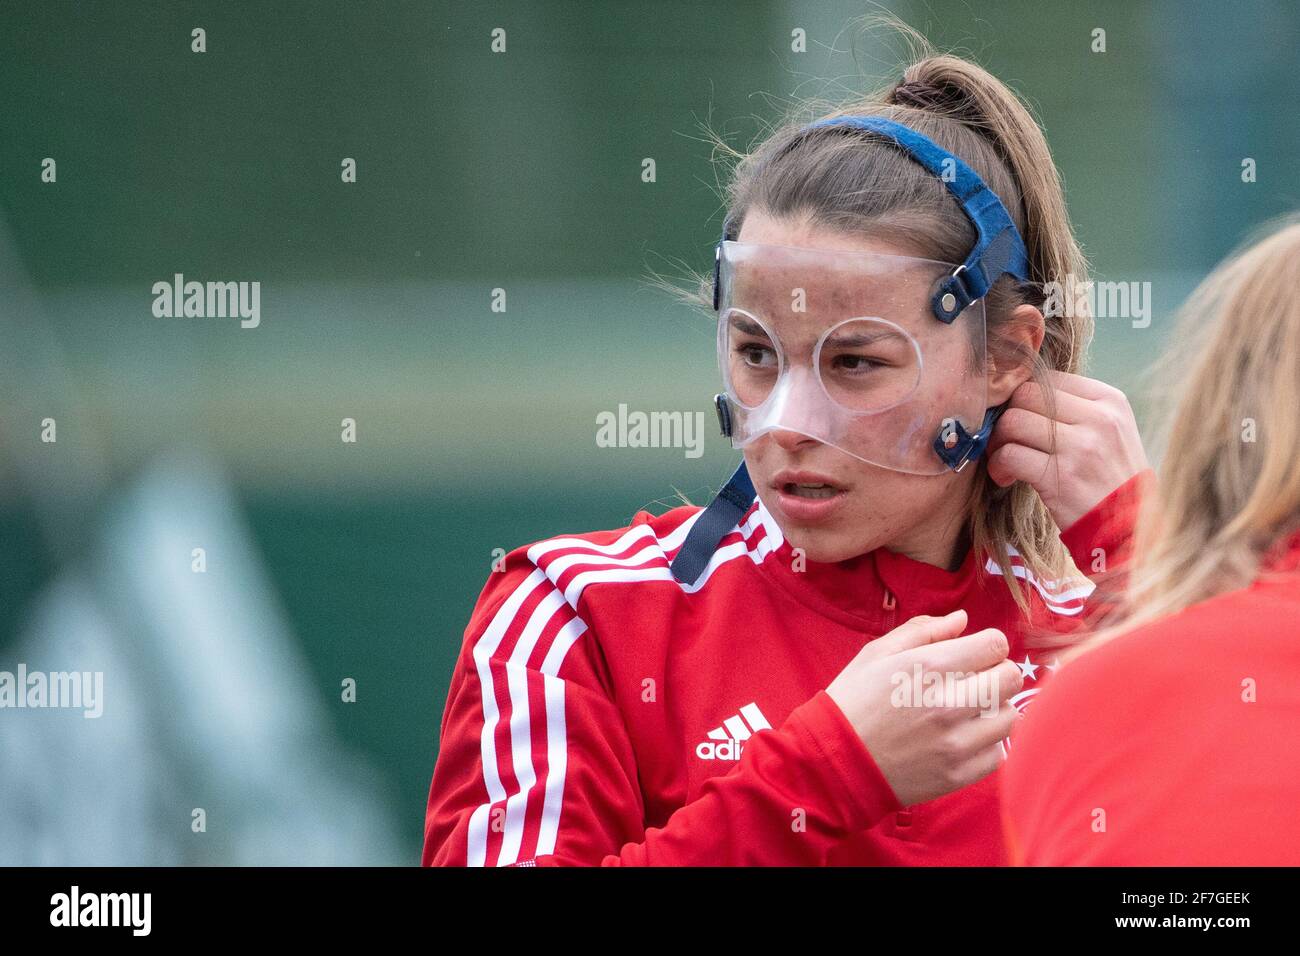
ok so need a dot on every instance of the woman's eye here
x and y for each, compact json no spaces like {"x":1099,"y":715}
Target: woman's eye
{"x":757,"y":356}
{"x":858,"y":363}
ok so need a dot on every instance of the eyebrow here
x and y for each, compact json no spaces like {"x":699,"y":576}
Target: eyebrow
{"x":858,"y":340}
{"x":748,"y":327}
{"x":841,"y":340}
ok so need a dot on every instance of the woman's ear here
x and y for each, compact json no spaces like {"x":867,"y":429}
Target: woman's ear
{"x":1012,"y":352}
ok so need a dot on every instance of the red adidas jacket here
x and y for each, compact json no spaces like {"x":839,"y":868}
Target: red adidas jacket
{"x":603,"y":713}
{"x":1172,"y":745}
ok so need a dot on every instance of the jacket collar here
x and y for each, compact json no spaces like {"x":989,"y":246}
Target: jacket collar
{"x":873,"y":591}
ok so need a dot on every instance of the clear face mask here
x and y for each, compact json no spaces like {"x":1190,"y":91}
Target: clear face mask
{"x":844,"y":347}
{"x":882,"y":357}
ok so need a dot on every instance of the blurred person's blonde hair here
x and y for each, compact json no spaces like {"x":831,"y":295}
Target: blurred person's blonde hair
{"x":1228,"y":490}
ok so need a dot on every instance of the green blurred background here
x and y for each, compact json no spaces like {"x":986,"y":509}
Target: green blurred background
{"x":477,"y":171}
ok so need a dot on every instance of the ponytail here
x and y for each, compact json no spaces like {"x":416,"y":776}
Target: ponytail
{"x":970,"y":95}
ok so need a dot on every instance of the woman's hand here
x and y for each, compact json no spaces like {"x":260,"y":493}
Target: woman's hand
{"x":1097,"y":447}
{"x":924,"y":749}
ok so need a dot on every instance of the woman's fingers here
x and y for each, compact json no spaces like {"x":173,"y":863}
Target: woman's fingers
{"x":1082,"y":386}
{"x":916,"y":631}
{"x":1073,"y":446}
{"x":1065,"y":407}
{"x":1023,"y":427}
{"x":1012,"y":462}
{"x":961,"y":655}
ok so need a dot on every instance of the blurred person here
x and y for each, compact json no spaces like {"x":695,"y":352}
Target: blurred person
{"x":718,"y":686}
{"x":209,"y":743}
{"x":1169,"y":737}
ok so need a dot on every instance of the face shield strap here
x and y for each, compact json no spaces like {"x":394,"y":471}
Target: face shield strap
{"x":958,"y":447}
{"x":722,"y":514}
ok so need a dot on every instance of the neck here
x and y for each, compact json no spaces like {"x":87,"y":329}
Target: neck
{"x":945,"y":540}
{"x":943,"y":545}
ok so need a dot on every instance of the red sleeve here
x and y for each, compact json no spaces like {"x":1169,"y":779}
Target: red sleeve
{"x":536,"y":767}
{"x":1101,"y":542}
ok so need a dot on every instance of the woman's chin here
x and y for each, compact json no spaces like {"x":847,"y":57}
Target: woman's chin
{"x":824,"y":545}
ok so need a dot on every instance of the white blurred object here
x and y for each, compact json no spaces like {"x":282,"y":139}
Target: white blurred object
{"x":207,"y":704}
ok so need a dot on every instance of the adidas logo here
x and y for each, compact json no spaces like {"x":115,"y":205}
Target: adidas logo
{"x":725,"y":742}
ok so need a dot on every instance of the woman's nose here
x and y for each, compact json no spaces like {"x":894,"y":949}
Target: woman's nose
{"x":792,"y":440}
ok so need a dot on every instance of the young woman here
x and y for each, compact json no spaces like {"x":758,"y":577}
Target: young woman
{"x":731,"y":686}
{"x":1171,"y":740}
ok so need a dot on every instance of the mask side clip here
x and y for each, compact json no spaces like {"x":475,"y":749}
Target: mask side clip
{"x":959,"y":453}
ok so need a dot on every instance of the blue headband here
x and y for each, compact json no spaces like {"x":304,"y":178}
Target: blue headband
{"x":998,"y":248}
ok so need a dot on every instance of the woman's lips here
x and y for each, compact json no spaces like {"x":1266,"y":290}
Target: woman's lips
{"x":807,"y":497}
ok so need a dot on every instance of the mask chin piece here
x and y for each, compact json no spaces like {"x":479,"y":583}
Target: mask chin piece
{"x":957,"y":447}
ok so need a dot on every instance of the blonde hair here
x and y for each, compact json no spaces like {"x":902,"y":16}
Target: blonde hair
{"x":1229,"y":483}
{"x":855,"y":182}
